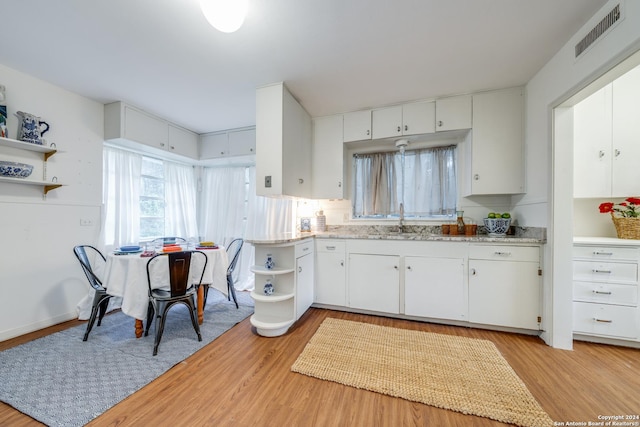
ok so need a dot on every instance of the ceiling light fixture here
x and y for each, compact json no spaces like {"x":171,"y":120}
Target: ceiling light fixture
{"x":225,"y":15}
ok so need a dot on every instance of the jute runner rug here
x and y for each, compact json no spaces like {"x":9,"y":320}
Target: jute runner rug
{"x":456,"y":373}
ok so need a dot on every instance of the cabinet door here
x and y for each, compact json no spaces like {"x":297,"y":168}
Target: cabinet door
{"x":386,"y":122}
{"x":327,"y":155}
{"x":304,"y":284}
{"x":145,"y":129}
{"x":331,"y":277}
{"x":592,"y":145}
{"x":434,"y":287}
{"x":374,"y":282}
{"x":183,"y":142}
{"x":214,"y":145}
{"x":626,"y":135}
{"x":242,"y":142}
{"x":504,"y":293}
{"x":453,"y":113}
{"x":296,"y":149}
{"x":497,"y":160}
{"x":419,"y":118}
{"x":357,"y":126}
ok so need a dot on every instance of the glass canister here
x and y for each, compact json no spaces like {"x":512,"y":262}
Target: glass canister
{"x":460,"y":222}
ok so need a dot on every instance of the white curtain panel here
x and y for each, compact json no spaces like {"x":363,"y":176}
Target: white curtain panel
{"x":430,"y":181}
{"x":222,"y":203}
{"x":180,"y":201}
{"x":120,"y":198}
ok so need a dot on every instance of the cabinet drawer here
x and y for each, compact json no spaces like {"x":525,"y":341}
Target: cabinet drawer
{"x":609,"y":272}
{"x":331,"y":246}
{"x":505,"y":253}
{"x":605,"y":293}
{"x":304,"y":248}
{"x":605,"y":253}
{"x":605,"y":319}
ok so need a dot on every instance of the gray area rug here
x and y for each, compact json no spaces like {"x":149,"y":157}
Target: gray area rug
{"x":62,"y":381}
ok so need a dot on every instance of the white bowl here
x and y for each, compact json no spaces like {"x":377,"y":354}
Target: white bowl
{"x":14,"y":169}
{"x":497,"y":226}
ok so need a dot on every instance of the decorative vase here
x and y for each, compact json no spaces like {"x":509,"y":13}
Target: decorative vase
{"x":268,"y":287}
{"x":269,"y":263}
{"x":460,"y":222}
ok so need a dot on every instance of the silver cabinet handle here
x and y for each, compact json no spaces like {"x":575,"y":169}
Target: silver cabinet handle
{"x":601,"y":271}
{"x":330,"y":248}
{"x":406,"y":127}
{"x":602,"y":320}
{"x":502,"y":253}
{"x":601,"y":154}
{"x":300,"y":181}
{"x":440,"y":123}
{"x":368,"y":132}
{"x":617,"y":152}
{"x":602,"y":293}
{"x":339,"y":184}
{"x":172,"y":147}
{"x":299,"y":269}
{"x":409,"y":267}
{"x":602,"y":253}
{"x":341,"y":263}
{"x":399,"y":129}
{"x":395,"y":266}
{"x":473,"y":271}
{"x":476,"y":177}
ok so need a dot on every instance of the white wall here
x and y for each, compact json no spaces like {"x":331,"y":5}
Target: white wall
{"x":40,"y":279}
{"x":555,"y":82}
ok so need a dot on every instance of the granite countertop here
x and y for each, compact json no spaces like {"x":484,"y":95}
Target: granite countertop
{"x":414,"y":233}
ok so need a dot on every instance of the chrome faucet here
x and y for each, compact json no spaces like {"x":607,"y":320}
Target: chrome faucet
{"x":401,"y":220}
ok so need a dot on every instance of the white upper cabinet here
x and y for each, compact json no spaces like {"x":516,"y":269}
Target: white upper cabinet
{"x":402,"y":120}
{"x":283,"y":144}
{"x":453,"y":113}
{"x":497,"y":140}
{"x":130,"y":126}
{"x":592,"y":145}
{"x":357,"y":126}
{"x":606,"y":136}
{"x":231,"y":143}
{"x":183,"y":142}
{"x":327,"y":155}
{"x":626,"y":135}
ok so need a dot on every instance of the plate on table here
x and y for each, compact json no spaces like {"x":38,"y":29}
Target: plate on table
{"x":207,"y":247}
{"x":128,"y":249}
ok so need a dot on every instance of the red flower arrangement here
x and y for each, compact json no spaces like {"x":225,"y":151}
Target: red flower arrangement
{"x":630,"y":208}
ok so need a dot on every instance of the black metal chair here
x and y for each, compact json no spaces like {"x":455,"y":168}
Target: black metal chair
{"x":181,"y":290}
{"x":233,"y":253}
{"x":100,"y":298}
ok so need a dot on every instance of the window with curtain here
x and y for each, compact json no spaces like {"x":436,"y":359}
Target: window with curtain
{"x":423,"y":180}
{"x":146,"y":198}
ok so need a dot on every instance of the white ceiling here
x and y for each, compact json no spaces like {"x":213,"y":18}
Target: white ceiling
{"x":334,"y":55}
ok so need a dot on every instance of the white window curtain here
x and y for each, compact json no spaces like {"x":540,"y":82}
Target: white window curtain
{"x":430,"y":185}
{"x":121,"y":198}
{"x":180,"y":200}
{"x":222,"y":203}
{"x":374,"y":181}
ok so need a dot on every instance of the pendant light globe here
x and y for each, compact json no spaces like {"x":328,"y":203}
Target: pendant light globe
{"x":225,"y":15}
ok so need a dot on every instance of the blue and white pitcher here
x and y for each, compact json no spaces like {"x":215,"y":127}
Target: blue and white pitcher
{"x":31,"y":128}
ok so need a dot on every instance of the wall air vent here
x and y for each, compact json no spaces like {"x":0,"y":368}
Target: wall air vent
{"x":601,"y":28}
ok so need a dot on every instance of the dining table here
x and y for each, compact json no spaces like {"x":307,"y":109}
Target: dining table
{"x":125,"y":276}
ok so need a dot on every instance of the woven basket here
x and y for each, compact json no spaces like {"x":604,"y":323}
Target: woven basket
{"x":627,"y":228}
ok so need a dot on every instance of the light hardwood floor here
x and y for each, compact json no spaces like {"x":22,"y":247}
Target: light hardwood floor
{"x":242,"y":379}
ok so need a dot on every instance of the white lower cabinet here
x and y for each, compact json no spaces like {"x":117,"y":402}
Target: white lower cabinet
{"x":331,"y":283}
{"x":605,"y":291}
{"x":292,"y":280}
{"x":435,"y":288}
{"x":505,"y":286}
{"x":374,"y":282}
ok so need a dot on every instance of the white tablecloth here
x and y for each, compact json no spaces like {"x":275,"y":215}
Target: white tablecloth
{"x":125,"y":276}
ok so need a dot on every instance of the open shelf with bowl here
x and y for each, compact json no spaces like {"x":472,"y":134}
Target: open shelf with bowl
{"x":47,"y":152}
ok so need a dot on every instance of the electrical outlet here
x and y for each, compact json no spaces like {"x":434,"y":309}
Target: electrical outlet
{"x":267,"y":181}
{"x":86,"y":222}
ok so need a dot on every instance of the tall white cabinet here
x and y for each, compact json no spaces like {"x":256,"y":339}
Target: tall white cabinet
{"x":606,"y":136}
{"x":283,"y":144}
{"x":328,"y":157}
